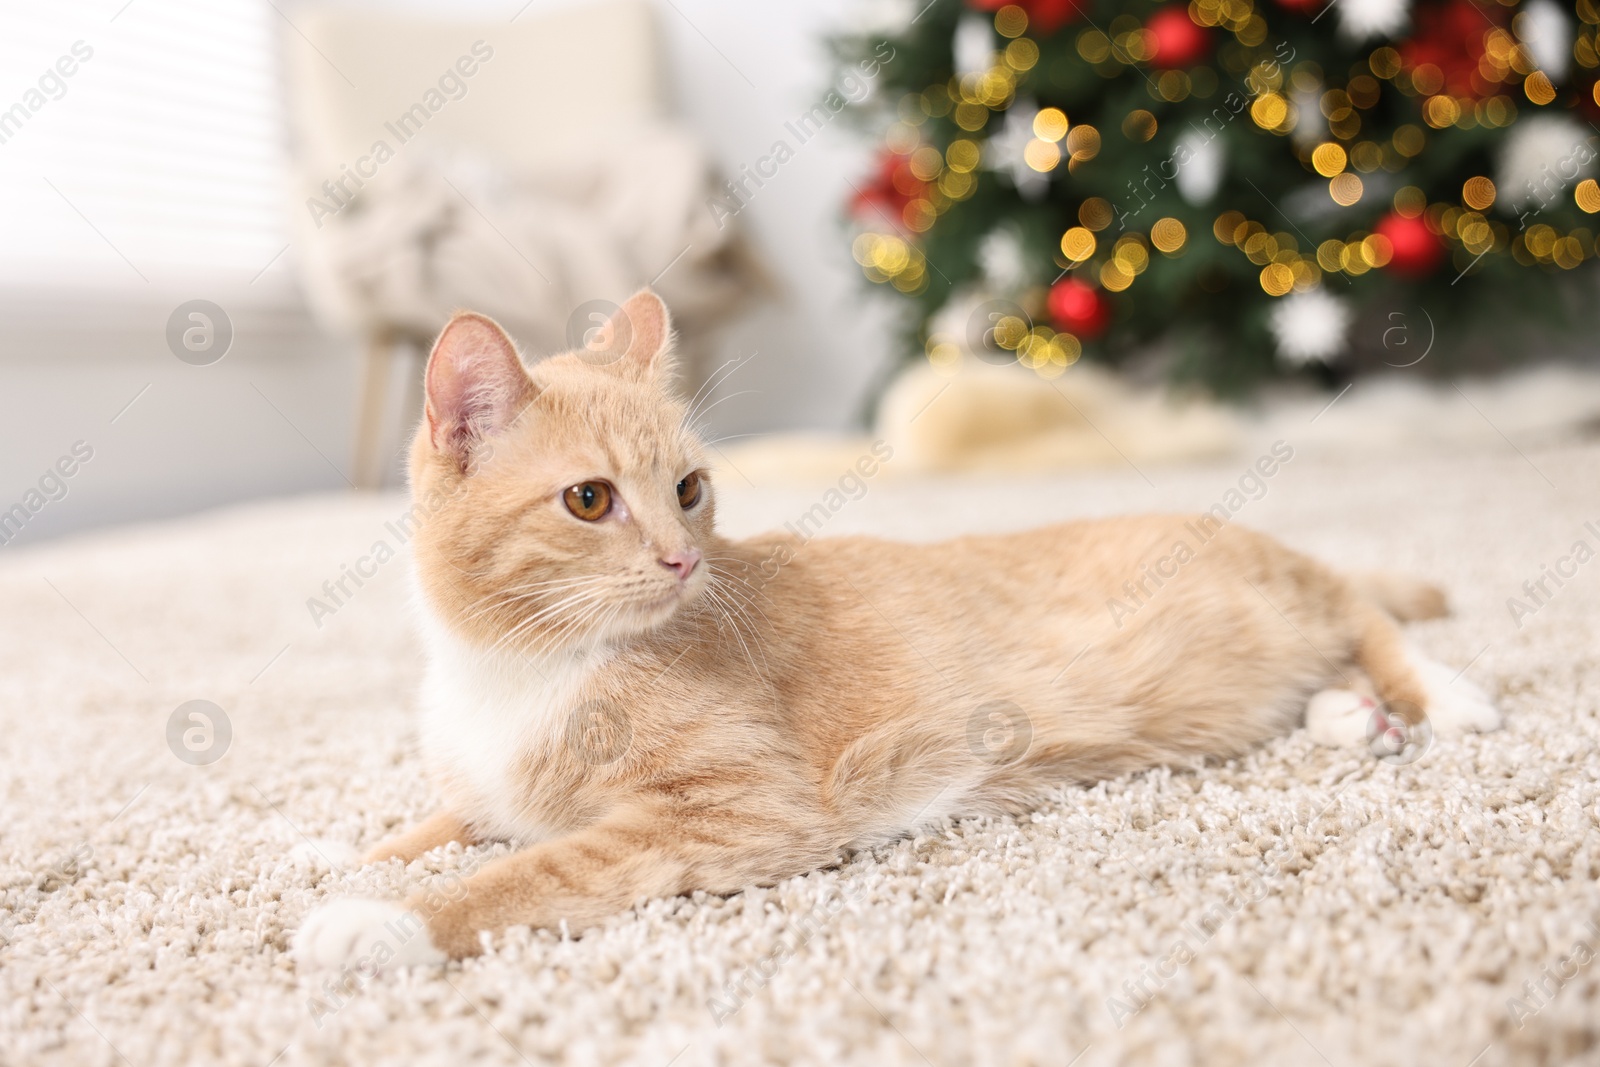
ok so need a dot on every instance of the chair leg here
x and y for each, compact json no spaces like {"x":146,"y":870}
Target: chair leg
{"x":370,"y":455}
{"x":415,"y":368}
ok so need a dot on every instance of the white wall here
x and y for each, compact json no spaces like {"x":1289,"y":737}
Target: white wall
{"x":167,"y":437}
{"x":203,"y":436}
{"x":823,"y":343}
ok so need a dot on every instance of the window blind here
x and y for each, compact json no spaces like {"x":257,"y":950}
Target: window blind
{"x":141,"y":144}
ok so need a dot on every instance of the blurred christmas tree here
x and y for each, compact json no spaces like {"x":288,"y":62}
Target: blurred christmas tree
{"x":1255,"y":184}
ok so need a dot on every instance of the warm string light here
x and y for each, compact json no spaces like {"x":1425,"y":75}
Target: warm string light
{"x":935,"y":180}
{"x":1478,"y":193}
{"x":1047,"y":352}
{"x":1543,"y":244}
{"x":1587,"y":196}
{"x":1050,"y":126}
{"x":1126,"y":42}
{"x":1011,"y":21}
{"x":1168,"y":236}
{"x":1129,"y":259}
{"x":1041,"y":349}
{"x":1238,"y":17}
{"x":1361,"y":252}
{"x":1140,"y":125}
{"x":1503,"y":62}
{"x":886,"y":257}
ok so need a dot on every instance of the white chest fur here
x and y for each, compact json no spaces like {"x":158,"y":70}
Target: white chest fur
{"x":483,"y":715}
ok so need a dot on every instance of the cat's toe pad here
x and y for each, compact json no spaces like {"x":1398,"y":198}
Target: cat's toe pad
{"x":1338,"y":718}
{"x":369,"y":935}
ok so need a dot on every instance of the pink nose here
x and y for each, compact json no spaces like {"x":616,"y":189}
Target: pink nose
{"x":684,"y":561}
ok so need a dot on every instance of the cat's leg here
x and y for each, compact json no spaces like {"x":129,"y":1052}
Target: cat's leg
{"x":581,"y":879}
{"x":436,"y":831}
{"x":1455,"y":705}
{"x":606,"y":868}
{"x":1414,"y":687}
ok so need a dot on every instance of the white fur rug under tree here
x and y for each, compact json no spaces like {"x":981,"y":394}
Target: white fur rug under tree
{"x":1299,"y":906}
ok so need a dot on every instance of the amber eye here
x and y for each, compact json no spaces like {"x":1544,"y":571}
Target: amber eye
{"x":590,"y":501}
{"x":689,"y":491}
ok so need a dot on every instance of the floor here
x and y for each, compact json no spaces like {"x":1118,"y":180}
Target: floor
{"x":1300,"y":905}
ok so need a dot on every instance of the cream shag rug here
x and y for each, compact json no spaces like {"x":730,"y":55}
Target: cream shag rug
{"x":1300,"y":906}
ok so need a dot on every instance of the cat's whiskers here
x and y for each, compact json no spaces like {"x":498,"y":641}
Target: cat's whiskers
{"x":698,"y":428}
{"x":744,"y":626}
{"x":757,"y":634}
{"x":706,"y":391}
{"x":726,"y":606}
{"x":505,"y":598}
{"x":582,"y":598}
{"x":594,"y":610}
{"x":739,"y":635}
{"x":745,"y":569}
{"x":582,"y":622}
{"x":737,"y":436}
{"x":502,"y":599}
{"x":750,"y":596}
{"x":510,"y":609}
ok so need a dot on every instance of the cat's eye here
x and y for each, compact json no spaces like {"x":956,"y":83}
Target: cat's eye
{"x":689,"y":491}
{"x":590,"y":501}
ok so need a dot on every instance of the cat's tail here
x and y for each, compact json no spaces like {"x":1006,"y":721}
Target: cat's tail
{"x":1406,"y":598}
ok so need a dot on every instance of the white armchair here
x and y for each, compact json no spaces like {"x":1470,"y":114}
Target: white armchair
{"x":527,"y":170}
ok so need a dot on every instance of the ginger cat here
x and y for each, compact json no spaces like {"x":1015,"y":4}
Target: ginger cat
{"x":644,"y":708}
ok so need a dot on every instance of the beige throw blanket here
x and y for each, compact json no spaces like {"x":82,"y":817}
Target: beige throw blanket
{"x":547,"y":254}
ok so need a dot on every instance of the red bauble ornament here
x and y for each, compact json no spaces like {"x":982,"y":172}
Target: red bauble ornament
{"x":884,"y":199}
{"x":1417,"y":249}
{"x":1179,"y":42}
{"x":1079,"y":308}
{"x":1303,"y":7}
{"x":1451,"y":37}
{"x":1044,"y":16}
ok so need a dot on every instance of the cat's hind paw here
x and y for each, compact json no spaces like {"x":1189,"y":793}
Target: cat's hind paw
{"x":366,"y":935}
{"x":1455,"y":705}
{"x":1338,"y":718}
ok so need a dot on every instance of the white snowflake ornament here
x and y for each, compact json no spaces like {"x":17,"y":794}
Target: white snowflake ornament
{"x":1309,"y":327}
{"x":1200,"y":165}
{"x":973,"y":45}
{"x":1361,"y":20}
{"x":1546,"y":30}
{"x":1541,"y":159}
{"x":1005,"y":267}
{"x":1311,"y":125}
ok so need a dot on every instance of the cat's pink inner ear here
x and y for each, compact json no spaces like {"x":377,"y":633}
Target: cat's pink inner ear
{"x":642,"y":330}
{"x":476,"y":384}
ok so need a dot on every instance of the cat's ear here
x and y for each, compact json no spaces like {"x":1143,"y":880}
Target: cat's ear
{"x":476,"y":385}
{"x":637,"y":340}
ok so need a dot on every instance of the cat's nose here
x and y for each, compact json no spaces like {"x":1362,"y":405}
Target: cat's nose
{"x":684,"y":561}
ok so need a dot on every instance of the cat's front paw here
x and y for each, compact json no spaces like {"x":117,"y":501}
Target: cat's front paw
{"x":367,"y":935}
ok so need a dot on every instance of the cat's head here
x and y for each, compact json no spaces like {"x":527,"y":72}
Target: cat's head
{"x":563,"y":504}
